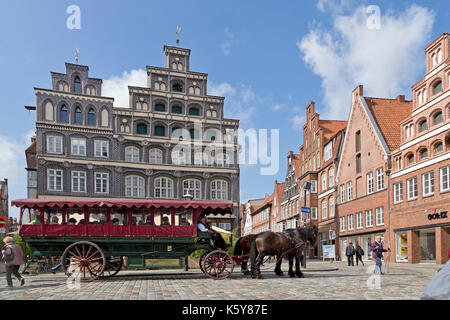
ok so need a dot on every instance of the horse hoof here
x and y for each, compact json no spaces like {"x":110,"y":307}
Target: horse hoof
{"x":246,"y":273}
{"x":300,"y":275}
{"x":279,"y":273}
{"x":291,"y":275}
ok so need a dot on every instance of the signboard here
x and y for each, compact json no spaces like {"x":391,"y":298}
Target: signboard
{"x":2,"y":222}
{"x":306,"y":210}
{"x":328,"y":252}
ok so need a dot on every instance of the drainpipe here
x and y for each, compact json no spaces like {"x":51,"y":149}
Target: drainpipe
{"x":388,"y":172}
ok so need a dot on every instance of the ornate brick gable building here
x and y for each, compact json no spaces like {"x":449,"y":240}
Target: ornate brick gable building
{"x":364,"y":167}
{"x":171,"y":141}
{"x":262,"y":216}
{"x":420,"y":184}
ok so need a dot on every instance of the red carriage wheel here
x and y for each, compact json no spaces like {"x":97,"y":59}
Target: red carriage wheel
{"x":83,"y":259}
{"x":218,"y":265}
{"x":112,"y":267}
{"x":202,"y":261}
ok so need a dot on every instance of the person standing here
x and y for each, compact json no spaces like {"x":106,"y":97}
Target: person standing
{"x":350,"y":252}
{"x":359,"y":253}
{"x":11,"y":248}
{"x":377,"y":253}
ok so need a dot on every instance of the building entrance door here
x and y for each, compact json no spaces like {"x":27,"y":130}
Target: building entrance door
{"x":427,"y":243}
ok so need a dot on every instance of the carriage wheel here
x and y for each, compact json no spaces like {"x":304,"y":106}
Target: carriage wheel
{"x":218,"y":265}
{"x":83,"y":259}
{"x":112,"y":268}
{"x":202,"y":261}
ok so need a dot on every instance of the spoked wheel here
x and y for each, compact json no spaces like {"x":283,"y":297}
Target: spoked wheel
{"x":112,"y":267}
{"x":202,"y":261}
{"x":85,"y":260}
{"x":218,"y":265}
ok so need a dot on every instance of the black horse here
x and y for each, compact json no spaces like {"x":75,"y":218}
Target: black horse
{"x":290,"y":243}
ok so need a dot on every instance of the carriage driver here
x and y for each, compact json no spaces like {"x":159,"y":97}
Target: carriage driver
{"x":216,"y":237}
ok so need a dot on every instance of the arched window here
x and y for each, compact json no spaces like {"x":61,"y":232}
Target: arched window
{"x":177,"y":87}
{"x":324,"y":209}
{"x":78,"y":116}
{"x":160,"y":107}
{"x":142,"y":128}
{"x":219,"y":190}
{"x":433,"y":60}
{"x":91,"y":117}
{"x":64,"y":114}
{"x":77,"y":85}
{"x":134,"y":187}
{"x":132,"y":154}
{"x":155,"y":156}
{"x":194,"y":111}
{"x":177,"y":109}
{"x":160,"y":131}
{"x":410,"y":159}
{"x":423,"y":125}
{"x":423,"y":153}
{"x":437,"y":118}
{"x":163,"y":188}
{"x":193,"y":187}
{"x":437,"y":87}
{"x":438,"y":147}
{"x":179,"y":157}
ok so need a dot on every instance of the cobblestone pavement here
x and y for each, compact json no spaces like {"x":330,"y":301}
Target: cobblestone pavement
{"x":403,"y":281}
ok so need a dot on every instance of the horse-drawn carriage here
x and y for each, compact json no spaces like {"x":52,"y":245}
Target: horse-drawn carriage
{"x":95,"y":238}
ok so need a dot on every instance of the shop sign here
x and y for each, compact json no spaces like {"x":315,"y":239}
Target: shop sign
{"x":437,"y":215}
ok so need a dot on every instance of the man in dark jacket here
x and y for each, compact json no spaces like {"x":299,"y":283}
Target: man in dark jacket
{"x":350,"y":252}
{"x":359,"y":253}
{"x":377,"y":253}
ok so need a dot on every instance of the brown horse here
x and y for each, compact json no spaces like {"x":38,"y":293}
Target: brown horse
{"x":291,"y":242}
{"x":242,"y":248}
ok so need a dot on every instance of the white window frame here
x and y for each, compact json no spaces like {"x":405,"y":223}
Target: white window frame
{"x":444,"y":177}
{"x":379,"y":213}
{"x":134,"y":186}
{"x":80,"y":178}
{"x":411,"y":185}
{"x":100,"y":146}
{"x":369,"y":218}
{"x":328,"y":151}
{"x":155,"y":156}
{"x":332,"y":207}
{"x":380,"y":179}
{"x":331,"y":178}
{"x":103,"y":177}
{"x":324,"y":181}
{"x":428,"y":183}
{"x":54,"y":174}
{"x":351,"y":221}
{"x":359,"y":220}
{"x":163,"y":187}
{"x":324,"y":210}
{"x":313,"y":213}
{"x":219,"y":189}
{"x":132,"y":154}
{"x":313,"y":186}
{"x":370,"y":184}
{"x":342,"y":224}
{"x":398,"y":192}
{"x":194,"y":186}
{"x":55,"y":146}
{"x":342,"y":188}
{"x":349,"y":190}
{"x":78,"y":146}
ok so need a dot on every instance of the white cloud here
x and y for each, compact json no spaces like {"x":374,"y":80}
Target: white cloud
{"x":117,"y":87}
{"x":229,"y":39}
{"x":297,"y":122}
{"x":386,"y":61}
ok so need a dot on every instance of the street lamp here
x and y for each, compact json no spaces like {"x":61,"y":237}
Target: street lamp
{"x":306,"y":187}
{"x":188,"y":196}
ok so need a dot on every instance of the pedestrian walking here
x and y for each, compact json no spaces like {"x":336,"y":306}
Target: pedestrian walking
{"x":359,"y":253}
{"x":377,"y":253}
{"x":350,"y":252}
{"x":12,"y":254}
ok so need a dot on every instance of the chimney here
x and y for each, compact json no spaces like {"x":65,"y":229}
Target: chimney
{"x":400,"y":98}
{"x":357,"y":92}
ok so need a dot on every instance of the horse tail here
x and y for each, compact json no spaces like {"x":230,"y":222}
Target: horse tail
{"x":253,"y":253}
{"x":238,"y":248}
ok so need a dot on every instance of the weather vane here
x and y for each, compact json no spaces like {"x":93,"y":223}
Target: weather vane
{"x":77,"y":52}
{"x":178,"y":32}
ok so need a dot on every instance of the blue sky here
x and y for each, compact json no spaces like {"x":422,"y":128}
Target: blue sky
{"x":268,"y":58}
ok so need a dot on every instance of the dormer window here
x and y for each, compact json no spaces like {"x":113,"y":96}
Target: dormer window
{"x":437,"y":87}
{"x":176,"y":87}
{"x":77,"y":85}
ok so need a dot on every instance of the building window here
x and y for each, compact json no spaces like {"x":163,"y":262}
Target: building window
{"x":134,"y":187}
{"x":324,"y":182}
{"x":64,"y":114}
{"x":359,"y":220}
{"x":78,"y":116}
{"x":379,"y":216}
{"x":349,"y":190}
{"x":160,"y":107}
{"x":101,"y":148}
{"x":177,"y":87}
{"x":445,"y":178}
{"x":54,"y":144}
{"x":156,"y":156}
{"x":219,"y":190}
{"x":423,"y":125}
{"x":358,"y":141}
{"x":437,"y":87}
{"x":78,"y":181}
{"x":177,"y":110}
{"x":351,"y":221}
{"x":91,"y":117}
{"x":54,"y":180}
{"x":225,"y":225}
{"x":423,"y":153}
{"x":314,"y":186}
{"x":160,"y":131}
{"x":318,"y":160}
{"x":313,"y":213}
{"x":380,"y":179}
{"x":342,"y":224}
{"x":358,"y":163}
{"x":132,"y":154}
{"x":342,"y":193}
{"x":327,"y":151}
{"x":78,"y":146}
{"x":438,"y":148}
{"x":398,"y":192}
{"x":369,"y":177}
{"x":194,"y":111}
{"x":179,"y":157}
{"x":101,"y":182}
{"x":412,"y":188}
{"x":369,"y":218}
{"x":32,"y":178}
{"x":428,"y":183}
{"x":142,"y":128}
{"x":331,"y":178}
{"x":410,"y":159}
{"x":324,"y":210}
{"x":77,"y":85}
{"x":163,"y":188}
{"x":193,"y":187}
{"x":332,"y":208}
{"x":437,"y":118}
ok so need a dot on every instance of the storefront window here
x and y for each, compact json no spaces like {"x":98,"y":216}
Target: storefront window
{"x":427,"y":242}
{"x":402,"y":246}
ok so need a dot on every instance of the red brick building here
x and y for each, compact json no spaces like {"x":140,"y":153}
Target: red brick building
{"x":420,"y":182}
{"x":278,"y":192}
{"x":261,"y":216}
{"x":365,"y":164}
